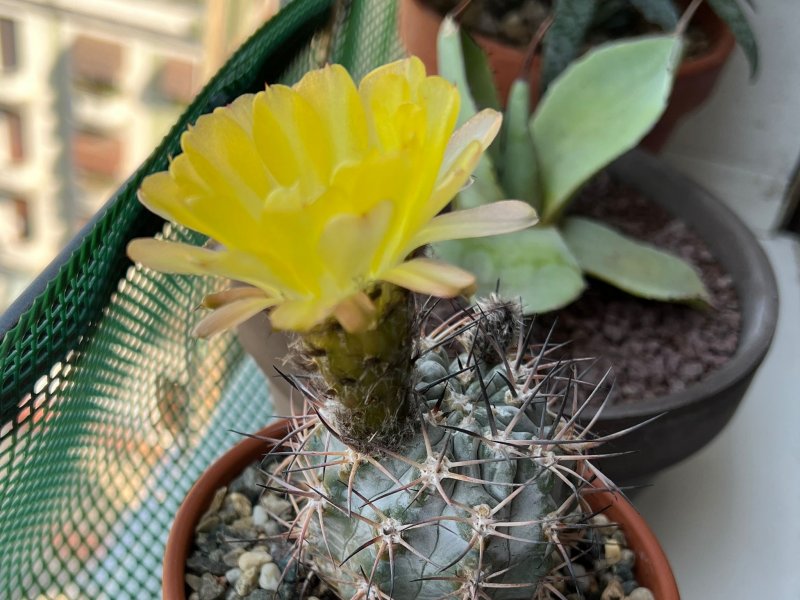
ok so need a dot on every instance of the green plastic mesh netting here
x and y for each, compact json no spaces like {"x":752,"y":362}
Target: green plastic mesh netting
{"x":109,"y":409}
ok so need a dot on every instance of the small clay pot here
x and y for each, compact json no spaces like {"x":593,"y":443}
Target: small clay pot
{"x":652,"y":567}
{"x":197,"y":501}
{"x":419,"y":25}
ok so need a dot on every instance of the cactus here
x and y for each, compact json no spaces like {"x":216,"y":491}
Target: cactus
{"x":429,"y":462}
{"x":472,"y":501}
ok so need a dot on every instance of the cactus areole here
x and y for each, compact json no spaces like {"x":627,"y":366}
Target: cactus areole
{"x":433,"y":459}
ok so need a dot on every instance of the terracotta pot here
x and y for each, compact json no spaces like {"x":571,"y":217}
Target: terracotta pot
{"x":652,"y":567}
{"x":695,"y":80}
{"x":220,"y":473}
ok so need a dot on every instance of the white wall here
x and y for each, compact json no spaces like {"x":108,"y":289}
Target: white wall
{"x":744,"y":143}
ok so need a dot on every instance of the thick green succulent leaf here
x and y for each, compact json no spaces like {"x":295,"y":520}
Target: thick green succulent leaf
{"x":632,"y":266}
{"x":566,"y":36}
{"x":601,"y":106}
{"x":481,"y":82}
{"x":479,"y":74}
{"x":461,"y":61}
{"x":658,"y":12}
{"x":733,"y":15}
{"x":519,"y":172}
{"x":534,"y":264}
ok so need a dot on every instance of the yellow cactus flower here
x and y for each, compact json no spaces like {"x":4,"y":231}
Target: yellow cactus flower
{"x":317,"y":191}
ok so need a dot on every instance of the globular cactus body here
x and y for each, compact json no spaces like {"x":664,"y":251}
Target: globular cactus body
{"x":470,"y":504}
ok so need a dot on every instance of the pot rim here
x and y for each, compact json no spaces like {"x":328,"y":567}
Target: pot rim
{"x":722,"y":40}
{"x":758,"y":323}
{"x":197,"y":501}
{"x":650,"y":556}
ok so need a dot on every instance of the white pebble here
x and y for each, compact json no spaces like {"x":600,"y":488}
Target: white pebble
{"x":242,"y":524}
{"x":272,"y":528}
{"x":231,"y":558}
{"x":232,"y":575}
{"x":627,"y":557}
{"x":613,"y":591}
{"x":238,"y":503}
{"x":270,"y":577}
{"x":247,"y":581}
{"x":275,"y":505}
{"x":641,"y":593}
{"x":193,"y":581}
{"x":216,"y":503}
{"x":259,"y":515}
{"x":613,"y":552}
{"x":603,"y":524}
{"x":253,"y":559}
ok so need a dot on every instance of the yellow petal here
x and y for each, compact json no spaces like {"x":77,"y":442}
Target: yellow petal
{"x":290,"y":137}
{"x":390,"y":96}
{"x":171,"y":257}
{"x":440,"y":100}
{"x":483,"y":128}
{"x":356,"y":313}
{"x":274,"y":145}
{"x":225,"y":157}
{"x":349,"y":242}
{"x":431,"y":277}
{"x":489,"y":219}
{"x":333,"y":95}
{"x":181,"y":196}
{"x":454,"y":180}
{"x":461,"y":156}
{"x":161,"y":195}
{"x":394,"y":121}
{"x":230,"y":315}
{"x":219,"y":299}
{"x":300,"y":315}
{"x":367,"y":184}
{"x":411,"y":69}
{"x":289,"y":239}
{"x":227,"y":161}
{"x":241,"y":110}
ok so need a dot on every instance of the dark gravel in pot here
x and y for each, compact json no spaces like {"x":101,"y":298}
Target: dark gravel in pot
{"x":655,"y":348}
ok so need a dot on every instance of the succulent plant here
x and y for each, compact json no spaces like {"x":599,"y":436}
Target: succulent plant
{"x":430,"y":462}
{"x":599,"y":108}
{"x":476,"y":492}
{"x":576,"y":24}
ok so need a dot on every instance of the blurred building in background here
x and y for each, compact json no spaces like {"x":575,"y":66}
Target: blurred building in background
{"x":87,"y":89}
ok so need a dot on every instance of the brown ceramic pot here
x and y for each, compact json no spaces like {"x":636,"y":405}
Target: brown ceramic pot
{"x":690,"y":418}
{"x":652,"y":567}
{"x":695,"y":80}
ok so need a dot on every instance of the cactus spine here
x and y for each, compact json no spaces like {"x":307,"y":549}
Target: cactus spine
{"x":467,"y":491}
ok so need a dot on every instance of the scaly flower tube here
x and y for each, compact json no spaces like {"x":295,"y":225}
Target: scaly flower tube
{"x":316,"y":192}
